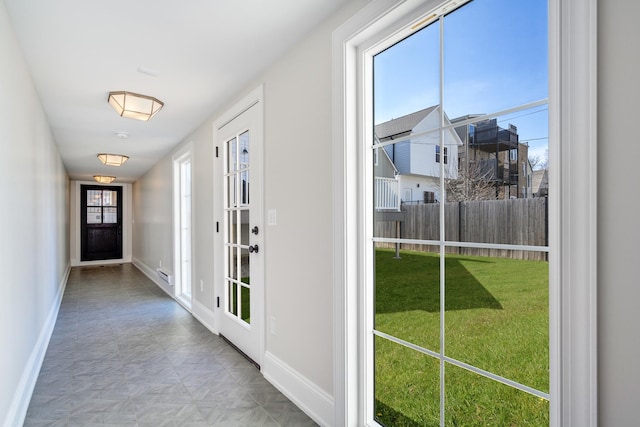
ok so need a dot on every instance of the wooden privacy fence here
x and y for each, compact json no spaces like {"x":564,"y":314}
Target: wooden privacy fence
{"x":512,"y":222}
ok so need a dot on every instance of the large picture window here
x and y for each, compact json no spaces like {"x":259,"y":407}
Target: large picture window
{"x":458,"y":327}
{"x":569,"y":183}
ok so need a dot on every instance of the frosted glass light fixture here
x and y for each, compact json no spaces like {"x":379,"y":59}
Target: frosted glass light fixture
{"x":134,"y":105}
{"x":112,"y":159}
{"x":103,"y":179}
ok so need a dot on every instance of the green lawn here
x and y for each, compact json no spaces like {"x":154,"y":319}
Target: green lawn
{"x":496,"y":318}
{"x":245,"y":300}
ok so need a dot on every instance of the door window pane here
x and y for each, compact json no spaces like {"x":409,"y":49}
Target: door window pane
{"x":231,"y":190}
{"x":245,"y":298}
{"x":94,"y":215}
{"x":94,"y":197}
{"x":109,"y":198}
{"x":243,"y":183}
{"x":110,"y":215}
{"x":232,"y":289}
{"x":244,"y":150}
{"x":233,"y":262}
{"x":245,"y":266}
{"x":232,"y":227}
{"x":232,"y":156}
{"x":244,"y":229}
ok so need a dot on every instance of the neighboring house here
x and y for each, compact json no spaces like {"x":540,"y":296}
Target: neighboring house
{"x":414,"y":156}
{"x":499,"y":155}
{"x":526,"y":190}
{"x":540,"y":184}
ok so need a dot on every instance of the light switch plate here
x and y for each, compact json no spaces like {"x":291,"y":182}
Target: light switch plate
{"x":271,"y":217}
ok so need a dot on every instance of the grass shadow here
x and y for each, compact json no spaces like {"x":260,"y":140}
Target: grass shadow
{"x":413,"y":283}
{"x":389,"y":417}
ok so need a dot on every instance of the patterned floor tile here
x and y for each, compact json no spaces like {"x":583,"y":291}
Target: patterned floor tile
{"x":125,"y":354}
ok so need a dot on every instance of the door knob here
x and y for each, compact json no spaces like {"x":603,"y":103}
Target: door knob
{"x":254,"y":230}
{"x":253,"y":249}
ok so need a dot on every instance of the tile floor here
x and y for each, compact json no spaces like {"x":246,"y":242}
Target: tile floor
{"x":125,"y":354}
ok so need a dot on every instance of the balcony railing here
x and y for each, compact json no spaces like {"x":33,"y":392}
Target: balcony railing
{"x":387,"y":194}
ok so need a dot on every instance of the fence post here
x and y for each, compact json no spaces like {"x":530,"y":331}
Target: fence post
{"x":397,"y":236}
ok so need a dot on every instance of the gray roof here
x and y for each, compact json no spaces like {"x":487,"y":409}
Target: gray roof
{"x":402,"y":124}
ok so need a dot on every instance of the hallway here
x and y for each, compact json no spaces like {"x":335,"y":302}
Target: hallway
{"x":124,"y":353}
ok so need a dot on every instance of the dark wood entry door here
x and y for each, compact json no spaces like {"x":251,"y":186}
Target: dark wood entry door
{"x":101,"y":222}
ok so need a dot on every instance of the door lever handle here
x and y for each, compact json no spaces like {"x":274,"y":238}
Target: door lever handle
{"x":253,"y":249}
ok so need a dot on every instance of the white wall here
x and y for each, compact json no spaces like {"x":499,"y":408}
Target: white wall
{"x":618,"y":215}
{"x":34,"y":230}
{"x":153,"y":218}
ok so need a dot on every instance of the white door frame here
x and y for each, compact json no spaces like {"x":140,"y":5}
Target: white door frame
{"x":255,"y":99}
{"x":74,"y":221}
{"x":573,"y":226}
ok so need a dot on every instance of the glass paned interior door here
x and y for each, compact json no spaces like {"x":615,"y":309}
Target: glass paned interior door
{"x":459,"y":310}
{"x":237,"y":213}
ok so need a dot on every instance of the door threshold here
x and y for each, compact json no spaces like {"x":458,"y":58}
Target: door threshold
{"x":253,"y":362}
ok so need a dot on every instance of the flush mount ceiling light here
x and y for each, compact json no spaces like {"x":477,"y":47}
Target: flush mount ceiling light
{"x":112,"y":159}
{"x":103,"y":179}
{"x":134,"y":105}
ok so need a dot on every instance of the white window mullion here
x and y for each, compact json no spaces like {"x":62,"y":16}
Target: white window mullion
{"x":442,"y":226}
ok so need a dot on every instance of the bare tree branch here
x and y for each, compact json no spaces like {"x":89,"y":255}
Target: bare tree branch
{"x":472,"y":183}
{"x":540,"y":162}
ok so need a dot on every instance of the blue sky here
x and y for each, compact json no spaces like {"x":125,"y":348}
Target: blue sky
{"x":495,"y":57}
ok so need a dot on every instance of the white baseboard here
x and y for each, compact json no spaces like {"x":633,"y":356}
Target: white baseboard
{"x":314,"y":401}
{"x":77,"y":263}
{"x":204,"y":316}
{"x":153,"y":275}
{"x":197,"y":310}
{"x":18,"y":408}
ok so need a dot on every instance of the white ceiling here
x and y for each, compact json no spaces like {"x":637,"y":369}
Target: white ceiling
{"x":194,"y":56}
